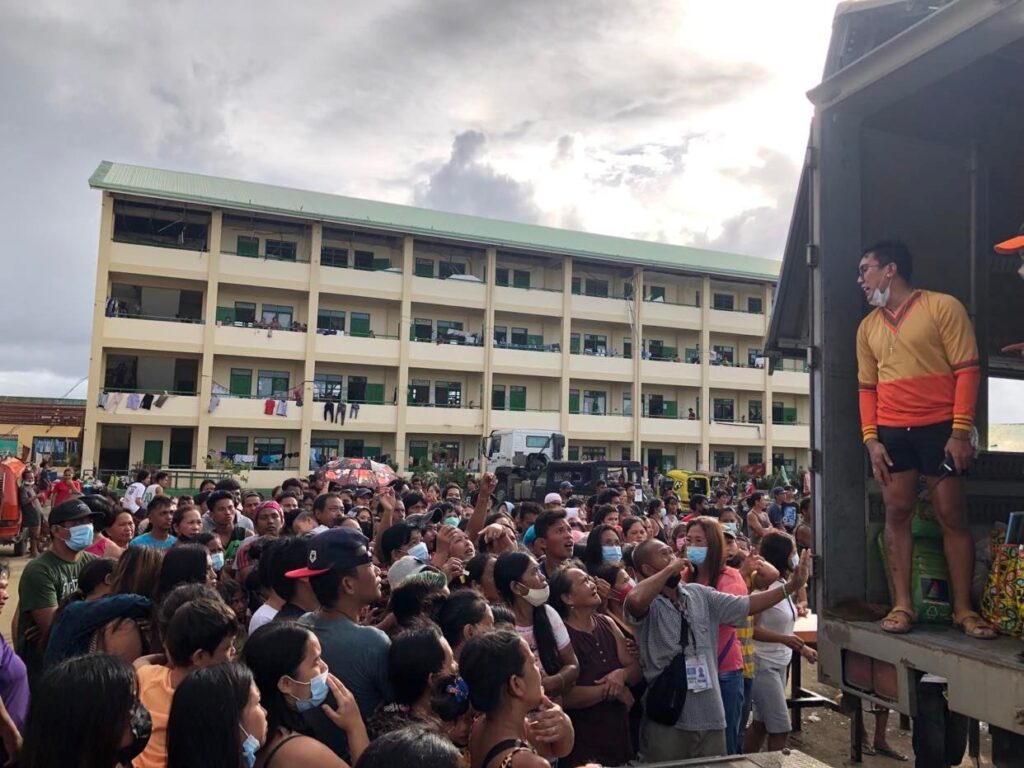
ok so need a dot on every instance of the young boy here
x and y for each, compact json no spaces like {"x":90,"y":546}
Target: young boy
{"x":161,"y":513}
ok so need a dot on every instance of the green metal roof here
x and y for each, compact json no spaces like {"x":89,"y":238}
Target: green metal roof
{"x":352,"y":211}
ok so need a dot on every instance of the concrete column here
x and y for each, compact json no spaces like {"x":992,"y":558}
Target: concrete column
{"x":638,"y":334}
{"x":704,"y":457}
{"x":90,"y":430}
{"x":766,"y":407}
{"x":492,"y":258}
{"x":404,"y":324}
{"x":563,"y":415}
{"x":209,"y":334}
{"x":309,"y":366}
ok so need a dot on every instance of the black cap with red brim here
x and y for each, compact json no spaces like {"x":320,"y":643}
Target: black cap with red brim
{"x":1012,"y":246}
{"x":335,"y":549}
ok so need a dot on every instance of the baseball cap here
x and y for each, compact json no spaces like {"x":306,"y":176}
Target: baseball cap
{"x":553,"y":498}
{"x":363,"y":492}
{"x":777,"y":490}
{"x":565,"y":485}
{"x":1011,"y":246}
{"x":729,"y":533}
{"x":408,"y":567}
{"x":72,"y":509}
{"x":334,"y":549}
{"x":530,"y":536}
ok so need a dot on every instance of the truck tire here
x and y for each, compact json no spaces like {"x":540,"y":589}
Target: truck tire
{"x":19,"y":544}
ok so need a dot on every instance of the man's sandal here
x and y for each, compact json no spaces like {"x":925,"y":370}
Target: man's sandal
{"x":974,"y":626}
{"x":899,"y":621}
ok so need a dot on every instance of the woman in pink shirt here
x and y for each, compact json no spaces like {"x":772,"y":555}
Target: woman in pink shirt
{"x":705,"y":549}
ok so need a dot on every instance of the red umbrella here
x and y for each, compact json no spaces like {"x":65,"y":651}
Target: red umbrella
{"x":359,"y":472}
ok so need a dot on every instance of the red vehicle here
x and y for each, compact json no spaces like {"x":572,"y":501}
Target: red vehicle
{"x":10,"y":510}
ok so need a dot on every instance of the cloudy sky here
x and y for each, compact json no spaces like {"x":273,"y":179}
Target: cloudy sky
{"x":683,"y":121}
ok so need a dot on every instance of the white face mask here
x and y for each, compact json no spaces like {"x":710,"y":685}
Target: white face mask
{"x":537,"y":596}
{"x":880,"y":298}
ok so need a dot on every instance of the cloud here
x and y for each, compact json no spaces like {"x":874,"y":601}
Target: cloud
{"x":467,"y":184}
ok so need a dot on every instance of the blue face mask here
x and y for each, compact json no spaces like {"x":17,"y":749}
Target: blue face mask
{"x":731,"y":527}
{"x":249,"y":748}
{"x":451,"y":521}
{"x":611,"y":554}
{"x":697,"y":555}
{"x":217,"y":558}
{"x":80,"y":538}
{"x":419,"y":552}
{"x":317,"y":693}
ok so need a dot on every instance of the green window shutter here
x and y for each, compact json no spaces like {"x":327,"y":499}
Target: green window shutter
{"x":248,"y":246}
{"x":375,"y":394}
{"x":372,"y":452}
{"x":381,"y":264}
{"x":574,"y":454}
{"x":574,"y":344}
{"x":241,"y":382}
{"x":789,"y":415}
{"x":670,"y":409}
{"x":153,"y":453}
{"x":236,"y":445}
{"x":535,"y":340}
{"x":360,"y":324}
{"x":417,"y":452}
{"x":225,"y":315}
{"x":574,"y":402}
{"x":424,"y":268}
{"x":517,"y":398}
{"x":520,"y":279}
{"x":668,"y":352}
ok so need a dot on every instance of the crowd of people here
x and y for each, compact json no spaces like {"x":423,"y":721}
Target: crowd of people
{"x":333,"y":626}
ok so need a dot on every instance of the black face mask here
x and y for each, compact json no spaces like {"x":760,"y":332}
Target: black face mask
{"x":140,"y":723}
{"x":735,"y":561}
{"x":347,"y":504}
{"x":367,"y":528}
{"x":673,"y":581}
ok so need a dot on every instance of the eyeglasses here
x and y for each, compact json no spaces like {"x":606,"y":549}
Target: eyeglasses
{"x":863,"y":269}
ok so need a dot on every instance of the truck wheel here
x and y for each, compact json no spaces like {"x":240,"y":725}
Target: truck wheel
{"x":19,"y":544}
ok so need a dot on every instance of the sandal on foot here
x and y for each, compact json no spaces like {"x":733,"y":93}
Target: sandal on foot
{"x":890,"y":752}
{"x":901,"y":620}
{"x":974,"y":626}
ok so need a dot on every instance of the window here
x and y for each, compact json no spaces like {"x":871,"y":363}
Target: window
{"x":449,"y":268}
{"x":520,"y":337}
{"x":696,"y":298}
{"x":501,"y":276}
{"x":283,"y":250}
{"x":627,"y":348}
{"x":354,"y":449}
{"x":723,"y":301}
{"x":333,"y":257}
{"x":247,"y":246}
{"x":364,"y":260}
{"x":448,"y":394}
{"x":500,"y":335}
{"x":656,"y":348}
{"x":443,"y":326}
{"x":752,"y":355}
{"x":574,"y":343}
{"x":779,"y":461}
{"x":755,"y":305}
{"x":754,"y":414}
{"x":278,"y":312}
{"x":498,"y":397}
{"x":357,"y":389}
{"x":520,"y":278}
{"x":272,"y":384}
{"x":269,"y":452}
{"x":723,"y":409}
{"x":424,"y":268}
{"x":778,"y":412}
{"x":241,"y":382}
{"x":236,"y":446}
{"x":597,"y":288}
{"x":327,"y":386}
{"x":594,"y":402}
{"x":574,"y":453}
{"x":755,"y":457}
{"x":360,"y":324}
{"x":322,"y":450}
{"x":245,"y":312}
{"x":58,"y":450}
{"x":627,"y":403}
{"x":574,"y":401}
{"x":576,"y":286}
{"x":594,"y":453}
{"x":418,"y":450}
{"x":627,"y":453}
{"x":153,"y":453}
{"x":724,"y":354}
{"x":627,"y":289}
{"x":537,"y":441}
{"x":419,"y":392}
{"x":422,"y":329}
{"x":595,"y":344}
{"x":517,"y":400}
{"x":330,"y":320}
{"x":724,"y":460}
{"x":657,"y":293}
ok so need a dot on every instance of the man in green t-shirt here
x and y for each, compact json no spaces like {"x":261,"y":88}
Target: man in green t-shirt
{"x":50,"y":578}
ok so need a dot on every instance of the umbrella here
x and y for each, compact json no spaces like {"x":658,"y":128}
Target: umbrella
{"x":359,"y":472}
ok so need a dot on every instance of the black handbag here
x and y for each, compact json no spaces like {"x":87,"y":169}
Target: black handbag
{"x":667,"y":694}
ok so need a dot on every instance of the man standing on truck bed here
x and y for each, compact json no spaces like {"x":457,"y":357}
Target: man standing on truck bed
{"x":918,"y":375}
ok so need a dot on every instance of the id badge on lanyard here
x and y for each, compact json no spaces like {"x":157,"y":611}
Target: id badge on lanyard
{"x":698,"y":674}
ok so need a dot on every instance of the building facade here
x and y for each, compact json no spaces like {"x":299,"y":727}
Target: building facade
{"x":247,"y":325}
{"x":36,"y":429}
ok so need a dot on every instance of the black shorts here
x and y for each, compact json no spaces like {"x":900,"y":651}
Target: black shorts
{"x":920,"y":448}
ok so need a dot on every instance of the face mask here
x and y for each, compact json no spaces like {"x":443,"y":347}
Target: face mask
{"x":537,"y":596}
{"x":367,"y":528}
{"x":249,"y":748}
{"x":140,"y":724}
{"x":735,"y":561}
{"x":622,"y":594}
{"x":731,"y":527}
{"x":317,"y":693}
{"x":80,"y":538}
{"x":451,"y":521}
{"x":419,"y":552}
{"x":794,"y":560}
{"x":697,"y":555}
{"x":611,"y":554}
{"x":217,"y":558}
{"x":880,"y":298}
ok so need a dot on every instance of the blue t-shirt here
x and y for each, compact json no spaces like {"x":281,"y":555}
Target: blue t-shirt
{"x":147,"y":540}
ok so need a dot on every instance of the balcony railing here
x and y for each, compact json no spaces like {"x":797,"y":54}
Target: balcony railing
{"x":456,"y":406}
{"x":528,"y":287}
{"x":466,"y":340}
{"x":162,"y":318}
{"x":141,"y":391}
{"x":355,"y":334}
{"x":528,"y":347}
{"x":738,"y":309}
{"x":672,"y":303}
{"x":299,"y":258}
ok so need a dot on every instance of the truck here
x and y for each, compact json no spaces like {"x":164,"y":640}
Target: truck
{"x":11,"y":531}
{"x":522,"y":447}
{"x":916,"y":135}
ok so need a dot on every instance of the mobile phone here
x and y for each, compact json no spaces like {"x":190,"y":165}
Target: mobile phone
{"x":572,"y":512}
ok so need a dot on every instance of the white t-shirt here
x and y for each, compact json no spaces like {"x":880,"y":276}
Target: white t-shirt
{"x":133,"y":497}
{"x":557,"y":628}
{"x":780,"y":618}
{"x":264,"y":615}
{"x":150,"y":492}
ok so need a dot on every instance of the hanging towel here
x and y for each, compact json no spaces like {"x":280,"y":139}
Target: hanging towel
{"x":269,"y":406}
{"x":147,"y":402}
{"x":282,"y":407}
{"x":214,"y":402}
{"x":133,"y":401}
{"x":160,"y":400}
{"x":114,"y":400}
{"x":101,"y":402}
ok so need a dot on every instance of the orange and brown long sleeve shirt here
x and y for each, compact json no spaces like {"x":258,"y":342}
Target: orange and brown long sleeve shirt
{"x":917,"y":366}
